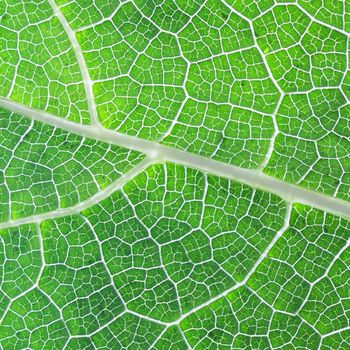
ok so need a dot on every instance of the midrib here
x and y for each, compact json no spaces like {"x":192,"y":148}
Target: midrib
{"x":156,"y":152}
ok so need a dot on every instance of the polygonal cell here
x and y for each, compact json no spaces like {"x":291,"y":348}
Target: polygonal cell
{"x":38,"y":64}
{"x":214,"y":30}
{"x":33,"y":322}
{"x":45,"y":168}
{"x":127,"y":332}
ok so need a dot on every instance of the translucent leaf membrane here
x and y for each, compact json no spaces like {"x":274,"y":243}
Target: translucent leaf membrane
{"x":43,"y":168}
{"x":309,"y":62}
{"x":195,"y":82}
{"x":38,"y":66}
{"x":309,"y":156}
{"x":172,"y":239}
{"x":178,"y":258}
{"x":332,"y":13}
{"x":257,"y":84}
{"x":296,"y":296}
{"x":274,"y":91}
{"x":81,"y":13}
{"x":336,"y":13}
{"x":175,"y":258}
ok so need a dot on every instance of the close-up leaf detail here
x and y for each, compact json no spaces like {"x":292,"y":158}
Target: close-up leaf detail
{"x":174,"y":175}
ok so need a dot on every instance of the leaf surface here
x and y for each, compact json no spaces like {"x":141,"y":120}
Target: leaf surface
{"x":174,"y":175}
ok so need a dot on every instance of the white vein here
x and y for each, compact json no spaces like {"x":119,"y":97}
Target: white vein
{"x":81,"y":62}
{"x":160,"y":153}
{"x":118,"y":184}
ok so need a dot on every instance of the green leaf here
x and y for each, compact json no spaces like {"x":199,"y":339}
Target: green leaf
{"x":174,"y":174}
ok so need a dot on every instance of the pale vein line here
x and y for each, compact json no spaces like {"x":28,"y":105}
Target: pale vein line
{"x":322,"y":23}
{"x":81,"y":62}
{"x":116,"y":185}
{"x":236,"y":286}
{"x":249,"y":274}
{"x":323,"y":276}
{"x":157,"y":152}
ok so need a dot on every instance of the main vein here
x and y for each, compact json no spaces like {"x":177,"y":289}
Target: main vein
{"x":160,"y":153}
